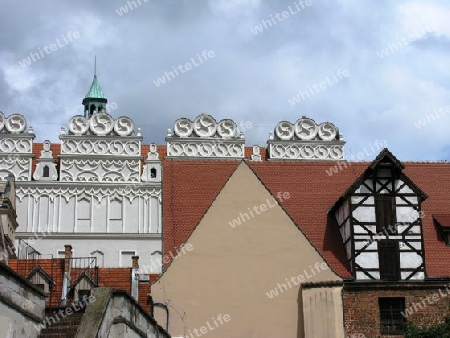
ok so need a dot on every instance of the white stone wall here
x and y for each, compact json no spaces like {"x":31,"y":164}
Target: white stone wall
{"x":72,"y":208}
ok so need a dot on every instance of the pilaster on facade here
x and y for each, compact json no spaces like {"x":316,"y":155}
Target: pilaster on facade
{"x":306,"y":140}
{"x":205,"y":138}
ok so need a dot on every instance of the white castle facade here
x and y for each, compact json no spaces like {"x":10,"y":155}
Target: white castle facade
{"x":100,"y":192}
{"x":105,"y":199}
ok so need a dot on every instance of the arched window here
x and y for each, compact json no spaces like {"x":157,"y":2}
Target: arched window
{"x":153,"y":173}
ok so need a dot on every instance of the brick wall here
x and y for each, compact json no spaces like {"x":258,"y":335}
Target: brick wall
{"x":361,"y":308}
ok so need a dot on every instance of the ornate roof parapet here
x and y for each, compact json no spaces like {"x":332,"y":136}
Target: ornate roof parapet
{"x":306,"y":140}
{"x":205,"y":138}
{"x":46,"y":166}
{"x":100,"y":135}
{"x":16,"y":147}
{"x":100,"y":149}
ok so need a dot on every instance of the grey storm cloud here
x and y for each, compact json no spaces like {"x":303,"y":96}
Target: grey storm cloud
{"x":252,"y":77}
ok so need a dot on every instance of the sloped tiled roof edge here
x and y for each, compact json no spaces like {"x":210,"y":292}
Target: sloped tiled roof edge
{"x":297,"y":225}
{"x":190,"y":231}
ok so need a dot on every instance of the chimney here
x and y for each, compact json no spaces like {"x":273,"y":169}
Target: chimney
{"x":135,"y":260}
{"x":67,"y":257}
{"x":135,"y":277}
{"x":66,"y":278}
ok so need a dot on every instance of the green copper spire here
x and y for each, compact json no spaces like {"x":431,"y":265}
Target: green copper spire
{"x":95,"y":92}
{"x":94,"y":101}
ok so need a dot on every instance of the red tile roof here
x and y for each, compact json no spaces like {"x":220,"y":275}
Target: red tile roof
{"x":118,"y":278}
{"x":434,"y":180}
{"x":53,"y":267}
{"x":37,"y":147}
{"x":189,"y":188}
{"x":443,"y":220}
{"x":312,"y":193}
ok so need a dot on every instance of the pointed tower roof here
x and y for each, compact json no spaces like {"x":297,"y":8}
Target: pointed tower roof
{"x":95,"y":92}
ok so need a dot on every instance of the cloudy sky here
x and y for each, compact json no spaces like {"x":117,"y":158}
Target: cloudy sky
{"x":251,"y":78}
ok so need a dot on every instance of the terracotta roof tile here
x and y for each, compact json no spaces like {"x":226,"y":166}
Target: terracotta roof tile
{"x":191,"y":186}
{"x":443,"y":220}
{"x":37,"y":147}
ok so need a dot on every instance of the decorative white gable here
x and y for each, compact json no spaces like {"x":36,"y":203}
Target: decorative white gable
{"x":152,"y":171}
{"x":16,"y":147}
{"x":100,"y":149}
{"x":46,"y":166}
{"x":306,"y":140}
{"x":205,"y":138}
{"x":106,"y":197}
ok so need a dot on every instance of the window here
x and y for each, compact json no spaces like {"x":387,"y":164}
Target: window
{"x":99,"y":255}
{"x":152,"y":173}
{"x":83,"y":215}
{"x":389,"y":260}
{"x":391,"y":318}
{"x":41,"y":286}
{"x":385,"y":214}
{"x":83,"y":294}
{"x":125,"y":258}
{"x":46,"y":171}
{"x":84,"y":209}
{"x":115,"y":210}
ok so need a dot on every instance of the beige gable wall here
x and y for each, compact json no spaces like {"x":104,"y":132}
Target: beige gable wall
{"x":230,"y":270}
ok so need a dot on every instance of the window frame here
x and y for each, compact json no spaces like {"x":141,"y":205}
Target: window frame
{"x":382,"y":203}
{"x":394,"y":306}
{"x":392,"y":260}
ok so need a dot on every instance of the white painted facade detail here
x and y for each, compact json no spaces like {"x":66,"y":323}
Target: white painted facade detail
{"x":205,"y":138}
{"x":104,"y":198}
{"x":16,"y":147}
{"x":306,"y":140}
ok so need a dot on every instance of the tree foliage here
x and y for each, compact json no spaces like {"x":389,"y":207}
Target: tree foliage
{"x":433,"y":331}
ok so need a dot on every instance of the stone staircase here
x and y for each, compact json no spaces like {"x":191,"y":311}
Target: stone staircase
{"x":64,"y":327}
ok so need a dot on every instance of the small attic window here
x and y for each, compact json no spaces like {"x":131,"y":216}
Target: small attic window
{"x":46,"y":171}
{"x":153,"y":173}
{"x":443,"y":223}
{"x":83,"y":294}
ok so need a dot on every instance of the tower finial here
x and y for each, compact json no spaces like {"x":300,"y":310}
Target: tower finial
{"x":95,"y":65}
